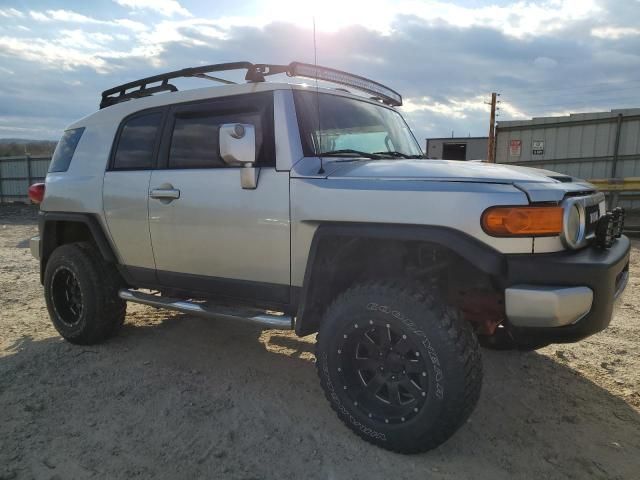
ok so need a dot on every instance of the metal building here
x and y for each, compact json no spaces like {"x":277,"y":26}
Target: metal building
{"x":457,"y":148}
{"x":600,"y":146}
{"x":17,"y":173}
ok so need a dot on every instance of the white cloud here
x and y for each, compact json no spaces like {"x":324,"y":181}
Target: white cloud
{"x":51,"y":53}
{"x":167,"y":8}
{"x":458,"y":108}
{"x":69,"y":16}
{"x":130,"y":24}
{"x":518,"y":19}
{"x":41,"y":17}
{"x":614,"y":33}
{"x":545,"y":62}
{"x":10,"y":12}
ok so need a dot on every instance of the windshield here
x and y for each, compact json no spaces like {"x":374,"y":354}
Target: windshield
{"x":352,"y":127}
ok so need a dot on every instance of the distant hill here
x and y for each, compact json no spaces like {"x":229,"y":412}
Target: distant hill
{"x":19,"y":146}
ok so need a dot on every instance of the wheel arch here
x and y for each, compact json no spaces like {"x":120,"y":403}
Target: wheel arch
{"x":59,"y":228}
{"x":322,"y":266}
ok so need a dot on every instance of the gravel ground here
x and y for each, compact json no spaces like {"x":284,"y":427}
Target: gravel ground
{"x":174,"y":396}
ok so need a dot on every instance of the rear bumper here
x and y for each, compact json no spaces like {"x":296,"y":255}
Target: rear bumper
{"x":34,"y":246}
{"x":547,"y":297}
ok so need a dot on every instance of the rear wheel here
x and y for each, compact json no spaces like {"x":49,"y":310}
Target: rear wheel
{"x":400,"y":370}
{"x":81,"y":291}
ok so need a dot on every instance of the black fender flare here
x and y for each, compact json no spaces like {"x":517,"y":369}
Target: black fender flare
{"x":47,"y":226}
{"x":484,"y":257}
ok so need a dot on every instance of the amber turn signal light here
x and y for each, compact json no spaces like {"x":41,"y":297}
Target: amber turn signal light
{"x":522,"y":221}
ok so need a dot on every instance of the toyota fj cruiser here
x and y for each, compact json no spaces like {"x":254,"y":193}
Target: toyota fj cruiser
{"x":295,"y":206}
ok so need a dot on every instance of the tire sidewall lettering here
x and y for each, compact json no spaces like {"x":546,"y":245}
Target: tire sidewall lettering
{"x":343,"y":410}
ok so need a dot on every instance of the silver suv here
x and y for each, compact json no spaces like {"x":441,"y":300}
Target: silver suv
{"x":299,"y":207}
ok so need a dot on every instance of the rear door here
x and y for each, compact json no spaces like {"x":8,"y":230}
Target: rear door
{"x":126,"y":188}
{"x":208,"y":233}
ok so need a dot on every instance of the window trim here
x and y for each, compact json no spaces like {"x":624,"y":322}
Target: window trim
{"x":258,"y":102}
{"x":156,"y":147}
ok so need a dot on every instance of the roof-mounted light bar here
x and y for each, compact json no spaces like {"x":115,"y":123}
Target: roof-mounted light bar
{"x":385,"y":94}
{"x":255,"y":73}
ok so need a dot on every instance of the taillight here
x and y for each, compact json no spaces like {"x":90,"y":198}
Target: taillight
{"x":36,"y":192}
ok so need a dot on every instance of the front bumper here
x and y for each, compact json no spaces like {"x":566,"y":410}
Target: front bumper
{"x":548,"y":294}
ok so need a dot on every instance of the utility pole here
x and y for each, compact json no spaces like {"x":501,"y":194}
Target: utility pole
{"x":492,"y":125}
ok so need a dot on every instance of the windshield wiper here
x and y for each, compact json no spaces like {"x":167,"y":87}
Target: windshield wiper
{"x":349,"y":151}
{"x":397,"y":154}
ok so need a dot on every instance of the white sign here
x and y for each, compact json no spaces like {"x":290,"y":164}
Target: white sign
{"x":538,"y":147}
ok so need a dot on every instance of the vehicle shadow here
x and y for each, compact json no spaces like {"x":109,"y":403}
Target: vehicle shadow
{"x":173,"y":396}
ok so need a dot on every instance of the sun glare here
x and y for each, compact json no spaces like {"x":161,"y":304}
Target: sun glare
{"x":330,"y":15}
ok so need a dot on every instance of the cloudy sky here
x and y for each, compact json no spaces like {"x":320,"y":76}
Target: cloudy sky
{"x":545,"y":57}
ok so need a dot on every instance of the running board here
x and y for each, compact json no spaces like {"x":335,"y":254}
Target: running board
{"x":268,"y":320}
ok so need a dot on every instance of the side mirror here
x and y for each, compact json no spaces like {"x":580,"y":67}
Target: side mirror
{"x":238,"y":148}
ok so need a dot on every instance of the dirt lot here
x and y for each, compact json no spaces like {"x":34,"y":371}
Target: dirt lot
{"x":180,"y":397}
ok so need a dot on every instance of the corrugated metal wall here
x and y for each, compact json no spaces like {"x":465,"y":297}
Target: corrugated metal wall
{"x":582,"y":145}
{"x":17,"y":173}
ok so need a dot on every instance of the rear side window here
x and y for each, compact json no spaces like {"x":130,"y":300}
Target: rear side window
{"x":137,"y":142}
{"x":194,"y":143}
{"x":64,"y":150}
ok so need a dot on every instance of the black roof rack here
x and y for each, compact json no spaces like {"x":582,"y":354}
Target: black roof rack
{"x":255,"y":73}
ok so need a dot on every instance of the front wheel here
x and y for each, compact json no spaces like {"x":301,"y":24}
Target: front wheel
{"x":81,"y":291}
{"x":399,"y":369}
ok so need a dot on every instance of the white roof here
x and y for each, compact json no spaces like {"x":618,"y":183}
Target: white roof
{"x":115,"y":113}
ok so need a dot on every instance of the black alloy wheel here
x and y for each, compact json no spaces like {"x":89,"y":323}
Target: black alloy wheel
{"x":383,"y":372}
{"x":66,"y":296}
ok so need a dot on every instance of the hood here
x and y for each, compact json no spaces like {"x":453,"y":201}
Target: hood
{"x":540,"y":185}
{"x":445,"y":170}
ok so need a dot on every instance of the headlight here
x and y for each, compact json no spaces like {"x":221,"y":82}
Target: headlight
{"x":573,"y":225}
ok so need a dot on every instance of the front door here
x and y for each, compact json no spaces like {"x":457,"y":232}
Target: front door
{"x":208,"y":233}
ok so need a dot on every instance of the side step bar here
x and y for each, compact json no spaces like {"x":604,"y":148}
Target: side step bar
{"x":268,"y":320}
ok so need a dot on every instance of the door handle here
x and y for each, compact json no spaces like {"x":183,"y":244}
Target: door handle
{"x":164,"y":193}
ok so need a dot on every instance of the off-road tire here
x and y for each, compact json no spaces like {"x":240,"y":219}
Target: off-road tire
{"x":97,"y":312}
{"x":450,"y":375}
